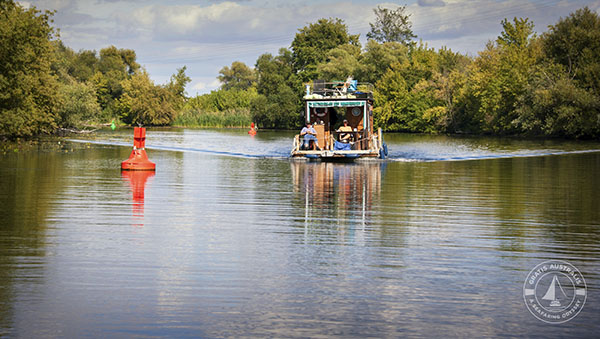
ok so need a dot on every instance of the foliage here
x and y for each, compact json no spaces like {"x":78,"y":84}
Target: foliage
{"x":239,"y":117}
{"x":223,"y":100}
{"x":519,"y":84}
{"x":221,"y":108}
{"x":113,"y":67}
{"x":499,"y":77}
{"x":28,"y":87}
{"x":554,"y":105}
{"x":391,"y":26}
{"x":145,"y":103}
{"x":341,"y":62}
{"x":79,"y":106}
{"x":377,"y":59}
{"x":278,"y":103}
{"x":312,"y":43}
{"x":238,"y":77}
{"x":416,"y":93}
{"x":574,"y":42}
{"x":177,"y":85}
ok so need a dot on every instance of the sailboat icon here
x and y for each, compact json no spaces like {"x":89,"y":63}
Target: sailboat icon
{"x":551,"y":293}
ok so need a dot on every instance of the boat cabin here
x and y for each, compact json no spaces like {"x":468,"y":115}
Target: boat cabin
{"x":341,"y":112}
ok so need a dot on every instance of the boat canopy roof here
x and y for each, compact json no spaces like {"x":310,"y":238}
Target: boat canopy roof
{"x":336,"y":90}
{"x":336,"y":103}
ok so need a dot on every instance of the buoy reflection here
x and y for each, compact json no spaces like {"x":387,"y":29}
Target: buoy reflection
{"x":137,"y":181}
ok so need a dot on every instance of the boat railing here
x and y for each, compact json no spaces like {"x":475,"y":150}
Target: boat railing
{"x":350,"y":89}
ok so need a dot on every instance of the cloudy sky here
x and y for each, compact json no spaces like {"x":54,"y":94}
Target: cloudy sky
{"x":206,"y":35}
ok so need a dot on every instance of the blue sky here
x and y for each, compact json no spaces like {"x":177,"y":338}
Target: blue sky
{"x":206,"y":35}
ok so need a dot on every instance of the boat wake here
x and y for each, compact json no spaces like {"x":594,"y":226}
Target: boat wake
{"x":283,"y":155}
{"x":419,"y":154}
{"x":414,"y":157}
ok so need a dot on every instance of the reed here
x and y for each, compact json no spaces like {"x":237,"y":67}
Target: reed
{"x":230,"y":118}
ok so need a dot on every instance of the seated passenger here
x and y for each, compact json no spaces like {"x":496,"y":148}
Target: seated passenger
{"x":309,"y":135}
{"x":345,"y":133}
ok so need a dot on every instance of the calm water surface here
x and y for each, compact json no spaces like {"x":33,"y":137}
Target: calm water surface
{"x":230,"y":238}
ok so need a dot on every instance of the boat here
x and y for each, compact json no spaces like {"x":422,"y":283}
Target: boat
{"x":326,"y":106}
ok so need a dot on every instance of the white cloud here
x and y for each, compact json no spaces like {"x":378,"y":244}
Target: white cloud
{"x":431,"y":3}
{"x":207,"y":83}
{"x":208,"y":35}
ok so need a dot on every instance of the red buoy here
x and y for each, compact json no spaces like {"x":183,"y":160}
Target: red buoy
{"x":138,"y":160}
{"x":252,"y":130}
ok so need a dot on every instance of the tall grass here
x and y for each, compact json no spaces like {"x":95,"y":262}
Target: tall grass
{"x":220,"y":109}
{"x":239,"y":117}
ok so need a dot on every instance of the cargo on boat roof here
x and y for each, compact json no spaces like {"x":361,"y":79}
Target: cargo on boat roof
{"x":339,"y":122}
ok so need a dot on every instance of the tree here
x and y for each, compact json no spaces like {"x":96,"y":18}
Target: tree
{"x":114,"y":66}
{"x":79,"y":104}
{"x":499,"y":77}
{"x":391,"y":26}
{"x":415,"y":94}
{"x":377,"y":59}
{"x":312,"y":43}
{"x":145,"y":103}
{"x":516,"y":34}
{"x":278,"y":104}
{"x":238,"y":77}
{"x":177,"y":85}
{"x":554,"y":105}
{"x":28,"y":87}
{"x":574,"y":42}
{"x":341,"y":62}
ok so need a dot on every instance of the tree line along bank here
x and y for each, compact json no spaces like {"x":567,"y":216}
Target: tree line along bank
{"x":520,"y":84}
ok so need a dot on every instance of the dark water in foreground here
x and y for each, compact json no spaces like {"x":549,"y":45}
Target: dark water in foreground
{"x":229,"y":238}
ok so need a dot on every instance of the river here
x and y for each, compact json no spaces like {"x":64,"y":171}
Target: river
{"x":230,"y":238}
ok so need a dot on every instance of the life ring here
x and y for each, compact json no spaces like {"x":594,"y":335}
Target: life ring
{"x":322,"y":114}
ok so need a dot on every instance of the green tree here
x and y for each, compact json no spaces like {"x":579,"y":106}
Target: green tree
{"x":28,"y":86}
{"x":85,"y":65}
{"x":392,"y":26}
{"x":177,"y":85}
{"x":554,"y":105}
{"x":498,"y":78}
{"x":418,"y":93}
{"x":377,"y":59}
{"x":79,"y":106}
{"x":341,"y":62}
{"x":312,"y":43}
{"x":145,"y":103}
{"x":574,"y":42}
{"x":114,"y":66}
{"x":278,"y":104}
{"x":406,"y":97}
{"x":80,"y":66}
{"x":238,"y":76}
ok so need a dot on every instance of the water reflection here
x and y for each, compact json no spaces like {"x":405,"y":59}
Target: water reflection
{"x":239,"y":246}
{"x":339,"y":194}
{"x":137,"y":181}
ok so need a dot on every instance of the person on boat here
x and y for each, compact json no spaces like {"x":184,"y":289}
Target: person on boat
{"x":309,"y":134}
{"x":345,"y":131}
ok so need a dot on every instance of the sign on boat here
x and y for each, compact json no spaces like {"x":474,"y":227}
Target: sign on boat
{"x":327,"y":105}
